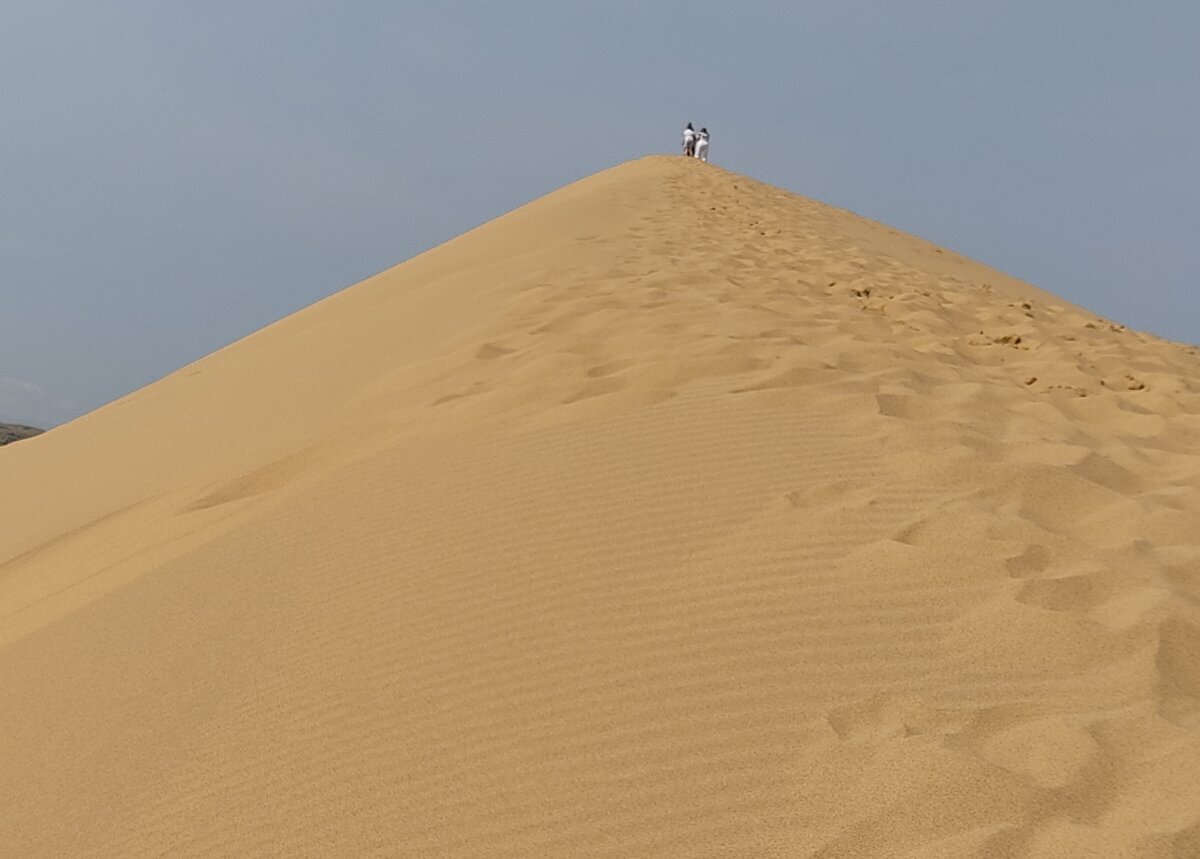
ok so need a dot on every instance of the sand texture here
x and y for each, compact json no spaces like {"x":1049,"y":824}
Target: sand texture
{"x":669,"y":515}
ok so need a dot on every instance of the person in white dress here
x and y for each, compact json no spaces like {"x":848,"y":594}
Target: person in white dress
{"x":689,"y":141}
{"x":702,"y":144}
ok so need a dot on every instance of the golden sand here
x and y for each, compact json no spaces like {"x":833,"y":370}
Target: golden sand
{"x":669,"y":515}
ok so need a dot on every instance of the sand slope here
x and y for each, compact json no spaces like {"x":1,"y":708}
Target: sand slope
{"x":669,"y":515}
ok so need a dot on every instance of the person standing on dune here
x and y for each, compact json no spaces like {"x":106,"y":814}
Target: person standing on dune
{"x":689,"y":141}
{"x":702,"y":145}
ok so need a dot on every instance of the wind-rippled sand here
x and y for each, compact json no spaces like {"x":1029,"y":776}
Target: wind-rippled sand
{"x":670,"y":515}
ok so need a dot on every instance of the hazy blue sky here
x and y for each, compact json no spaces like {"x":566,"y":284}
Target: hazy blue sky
{"x":174,"y":176}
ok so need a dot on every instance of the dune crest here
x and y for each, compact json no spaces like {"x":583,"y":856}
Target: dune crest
{"x":672,"y":514}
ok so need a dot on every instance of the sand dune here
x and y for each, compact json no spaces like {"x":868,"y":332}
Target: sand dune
{"x":669,"y":515}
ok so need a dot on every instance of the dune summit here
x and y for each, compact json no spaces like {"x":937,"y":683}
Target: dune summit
{"x":669,"y":515}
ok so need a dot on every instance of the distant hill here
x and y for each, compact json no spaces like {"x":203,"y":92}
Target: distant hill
{"x":16,"y":432}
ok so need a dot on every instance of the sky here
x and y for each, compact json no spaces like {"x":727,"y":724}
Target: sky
{"x":175,"y":176}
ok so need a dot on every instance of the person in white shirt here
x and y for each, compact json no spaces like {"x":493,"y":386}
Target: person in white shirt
{"x":702,"y":145}
{"x":689,"y":141}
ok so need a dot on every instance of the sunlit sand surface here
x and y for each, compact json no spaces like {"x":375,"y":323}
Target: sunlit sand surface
{"x":672,"y":514}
